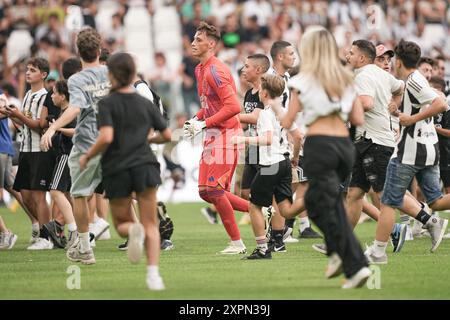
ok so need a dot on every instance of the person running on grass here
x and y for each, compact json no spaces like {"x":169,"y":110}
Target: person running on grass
{"x":127,"y":122}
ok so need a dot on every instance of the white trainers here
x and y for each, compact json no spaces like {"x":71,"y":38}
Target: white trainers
{"x":41,"y":244}
{"x":373,"y":259}
{"x":7,"y":240}
{"x":358,"y":280}
{"x":437,"y":227}
{"x":233,"y":249}
{"x":155,"y":283}
{"x":136,"y":237}
{"x":409,"y":234}
{"x":99,"y":227}
{"x":105,"y":235}
{"x":417,"y":229}
{"x":334,"y":267}
{"x":291,"y":239}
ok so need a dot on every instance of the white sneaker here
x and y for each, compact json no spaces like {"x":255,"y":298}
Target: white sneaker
{"x":291,"y":239}
{"x":358,"y":280}
{"x":409,"y":234}
{"x":99,"y":227}
{"x":155,"y":283}
{"x":233,"y":249}
{"x":7,"y":240}
{"x":136,"y":236}
{"x":105,"y":235}
{"x":334,"y":267}
{"x":417,"y":229}
{"x":41,"y":244}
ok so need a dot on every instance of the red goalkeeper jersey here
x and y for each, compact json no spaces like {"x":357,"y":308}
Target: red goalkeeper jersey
{"x":219,"y":103}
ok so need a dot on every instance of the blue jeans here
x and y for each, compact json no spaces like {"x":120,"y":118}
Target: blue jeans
{"x":399,"y":176}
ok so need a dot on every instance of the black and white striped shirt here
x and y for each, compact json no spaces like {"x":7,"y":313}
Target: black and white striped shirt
{"x":31,"y":108}
{"x":418,"y":144}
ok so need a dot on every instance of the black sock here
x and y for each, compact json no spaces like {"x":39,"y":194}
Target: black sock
{"x":278,"y":236}
{"x":290,"y":223}
{"x":43,"y":233}
{"x":423,"y":217}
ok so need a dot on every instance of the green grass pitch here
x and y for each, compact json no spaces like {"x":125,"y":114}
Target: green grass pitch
{"x":193,"y":270}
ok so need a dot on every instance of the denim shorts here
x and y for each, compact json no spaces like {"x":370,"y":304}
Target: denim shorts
{"x":399,"y":176}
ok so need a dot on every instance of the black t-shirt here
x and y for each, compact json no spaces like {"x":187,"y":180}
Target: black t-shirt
{"x":132,"y":116}
{"x":65,"y":143}
{"x":251,"y":102}
{"x":53,"y":111}
{"x":443,"y":119}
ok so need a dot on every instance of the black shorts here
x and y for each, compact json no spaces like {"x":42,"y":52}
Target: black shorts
{"x":35,"y":171}
{"x":270,"y":181}
{"x":445,"y":176}
{"x":370,"y":167}
{"x":100,"y":189}
{"x":250,"y":171}
{"x":136,"y":179}
{"x":61,"y":174}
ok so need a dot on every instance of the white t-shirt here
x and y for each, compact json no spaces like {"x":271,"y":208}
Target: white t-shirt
{"x":274,"y":153}
{"x":377,"y":83}
{"x":315,"y":101}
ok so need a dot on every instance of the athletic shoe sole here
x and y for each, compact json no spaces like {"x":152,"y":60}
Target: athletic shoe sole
{"x":441,"y":235}
{"x":319,"y":249}
{"x":402,"y":239}
{"x":136,"y":236}
{"x":204,"y":212}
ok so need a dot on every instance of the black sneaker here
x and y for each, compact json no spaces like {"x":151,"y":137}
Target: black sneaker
{"x":257,"y":254}
{"x":309,"y":233}
{"x":123,"y":246}
{"x":277,"y":247}
{"x":166,"y":245}
{"x":210,"y":215}
{"x":56,"y":233}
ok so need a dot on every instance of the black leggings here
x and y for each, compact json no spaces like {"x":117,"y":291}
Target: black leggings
{"x":328,"y":162}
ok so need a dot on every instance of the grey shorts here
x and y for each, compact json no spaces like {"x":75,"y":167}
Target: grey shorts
{"x":6,"y":171}
{"x":84,"y":182}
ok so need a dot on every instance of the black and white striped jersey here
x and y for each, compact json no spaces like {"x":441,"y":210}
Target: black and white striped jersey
{"x":31,"y":107}
{"x":418,"y":144}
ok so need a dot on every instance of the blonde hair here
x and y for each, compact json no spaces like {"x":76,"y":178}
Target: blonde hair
{"x":320,"y":60}
{"x":273,"y":84}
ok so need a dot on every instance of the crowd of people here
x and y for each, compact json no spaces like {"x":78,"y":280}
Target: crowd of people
{"x":300,"y":111}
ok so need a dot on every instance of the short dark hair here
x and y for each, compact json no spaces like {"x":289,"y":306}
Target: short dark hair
{"x":88,"y":44}
{"x":408,"y":52}
{"x":440,"y":57}
{"x":70,"y":67}
{"x":274,"y":85}
{"x":277,"y":47}
{"x":428,"y":60}
{"x":40,"y":63}
{"x":104,"y":55}
{"x":367,"y":48}
{"x":62,"y":88}
{"x":210,"y":30}
{"x":122,"y":68}
{"x":262,"y":60}
{"x":438,"y":81}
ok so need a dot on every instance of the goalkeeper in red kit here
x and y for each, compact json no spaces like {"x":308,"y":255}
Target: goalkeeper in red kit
{"x":218,"y":116}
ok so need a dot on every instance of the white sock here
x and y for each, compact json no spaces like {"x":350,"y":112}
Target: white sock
{"x":72,"y":227}
{"x":304,"y":223}
{"x":238,"y":243}
{"x":152,"y":271}
{"x":85,"y":245}
{"x":96,"y":219}
{"x":261,"y":243}
{"x":379,"y":248}
{"x":35,"y":226}
{"x":91,"y":226}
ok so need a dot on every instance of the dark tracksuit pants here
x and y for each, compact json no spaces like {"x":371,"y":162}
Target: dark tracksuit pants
{"x":328,"y":162}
